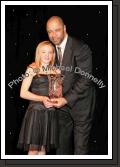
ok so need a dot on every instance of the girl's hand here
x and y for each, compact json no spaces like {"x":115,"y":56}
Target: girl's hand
{"x":46,"y":102}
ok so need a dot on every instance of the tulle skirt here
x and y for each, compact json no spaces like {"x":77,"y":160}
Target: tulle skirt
{"x":39,"y":128}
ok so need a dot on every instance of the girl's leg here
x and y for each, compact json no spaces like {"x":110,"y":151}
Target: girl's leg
{"x":42,"y":151}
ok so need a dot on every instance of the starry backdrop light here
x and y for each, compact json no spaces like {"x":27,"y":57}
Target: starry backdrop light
{"x":25,"y":27}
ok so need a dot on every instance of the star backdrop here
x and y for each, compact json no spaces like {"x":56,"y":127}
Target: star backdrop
{"x":25,"y":27}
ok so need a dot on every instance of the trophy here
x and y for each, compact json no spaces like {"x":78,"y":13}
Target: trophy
{"x":55,"y":85}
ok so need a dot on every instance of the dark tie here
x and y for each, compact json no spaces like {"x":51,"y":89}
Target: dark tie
{"x":59,"y":55}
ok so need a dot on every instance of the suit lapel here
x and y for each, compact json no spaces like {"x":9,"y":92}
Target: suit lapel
{"x":66,"y":55}
{"x":67,"y":52}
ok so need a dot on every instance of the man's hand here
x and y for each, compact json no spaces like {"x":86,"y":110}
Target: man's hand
{"x":59,"y":102}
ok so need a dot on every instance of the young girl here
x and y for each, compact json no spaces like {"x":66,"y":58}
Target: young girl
{"x":39,"y":131}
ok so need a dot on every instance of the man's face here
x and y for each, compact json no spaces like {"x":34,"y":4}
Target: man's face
{"x":56,"y":31}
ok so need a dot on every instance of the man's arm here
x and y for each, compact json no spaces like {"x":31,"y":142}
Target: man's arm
{"x":83,"y":59}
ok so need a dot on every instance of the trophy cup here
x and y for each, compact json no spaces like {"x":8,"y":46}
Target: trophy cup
{"x":55,"y":85}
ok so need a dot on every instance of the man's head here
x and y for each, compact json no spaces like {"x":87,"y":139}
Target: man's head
{"x":56,"y":30}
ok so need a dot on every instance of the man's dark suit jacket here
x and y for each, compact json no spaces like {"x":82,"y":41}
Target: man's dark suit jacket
{"x":78,"y":89}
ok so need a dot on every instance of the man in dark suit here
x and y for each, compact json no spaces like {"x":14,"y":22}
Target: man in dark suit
{"x":77,"y":104}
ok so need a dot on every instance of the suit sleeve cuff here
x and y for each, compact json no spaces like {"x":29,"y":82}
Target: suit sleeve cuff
{"x":71,"y":100}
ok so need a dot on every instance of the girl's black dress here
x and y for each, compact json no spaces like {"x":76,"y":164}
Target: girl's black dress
{"x":39,"y":126}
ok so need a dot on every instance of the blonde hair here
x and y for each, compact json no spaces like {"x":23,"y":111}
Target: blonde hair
{"x":37,"y":55}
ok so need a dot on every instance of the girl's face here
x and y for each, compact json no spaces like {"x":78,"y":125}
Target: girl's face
{"x":46,"y":53}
